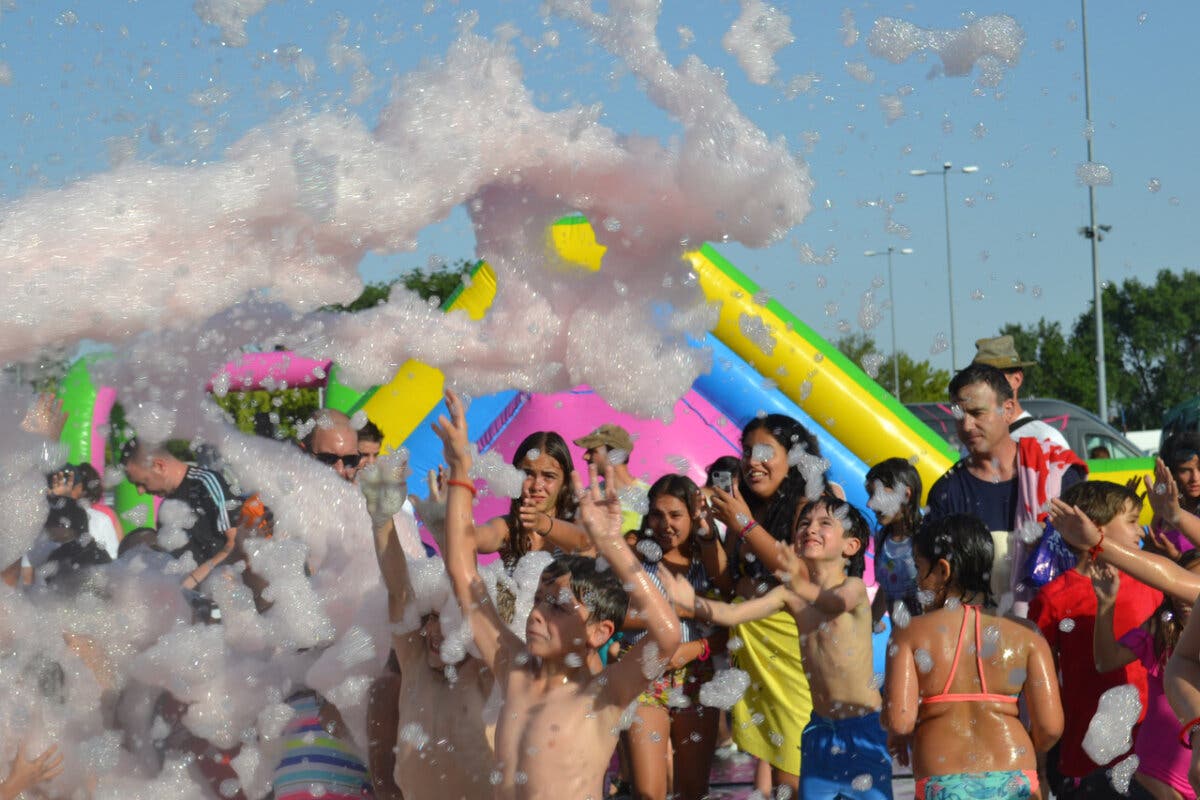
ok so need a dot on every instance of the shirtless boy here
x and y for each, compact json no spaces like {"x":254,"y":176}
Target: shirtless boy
{"x":445,"y":747}
{"x":844,"y":748}
{"x":560,"y":719}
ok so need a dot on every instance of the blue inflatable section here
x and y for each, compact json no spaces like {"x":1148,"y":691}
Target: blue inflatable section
{"x":424,"y":447}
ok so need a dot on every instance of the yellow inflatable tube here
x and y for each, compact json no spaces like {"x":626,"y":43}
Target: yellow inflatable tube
{"x":399,"y":405}
{"x":810,"y":371}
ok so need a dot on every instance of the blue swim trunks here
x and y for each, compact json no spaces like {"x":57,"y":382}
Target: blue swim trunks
{"x":999,"y":785}
{"x":845,"y":758}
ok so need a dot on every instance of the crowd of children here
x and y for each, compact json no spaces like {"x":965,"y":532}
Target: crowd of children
{"x":647,"y":619}
{"x":980,"y":704}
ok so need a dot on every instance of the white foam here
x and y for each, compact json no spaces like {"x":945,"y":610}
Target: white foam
{"x":992,"y":44}
{"x":755,"y":36}
{"x":1110,"y":731}
{"x":230,"y":16}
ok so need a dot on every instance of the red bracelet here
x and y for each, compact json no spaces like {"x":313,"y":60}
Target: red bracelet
{"x":1097,"y":548}
{"x":706,"y":651}
{"x":749,"y":527}
{"x":1185,"y":733}
{"x":470,"y":487}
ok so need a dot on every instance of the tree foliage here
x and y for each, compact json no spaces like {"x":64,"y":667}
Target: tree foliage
{"x":1151,"y":349}
{"x":920,"y":381}
{"x":274,"y":414}
{"x":436,"y":282}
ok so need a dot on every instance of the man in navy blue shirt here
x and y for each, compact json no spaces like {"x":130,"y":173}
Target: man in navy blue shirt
{"x":984,"y":483}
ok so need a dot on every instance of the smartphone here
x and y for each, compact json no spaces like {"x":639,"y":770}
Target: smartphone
{"x":723,"y":480}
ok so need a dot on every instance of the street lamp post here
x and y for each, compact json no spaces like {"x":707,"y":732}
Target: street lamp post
{"x":1094,"y":234}
{"x":904,"y":251}
{"x":946,"y":167}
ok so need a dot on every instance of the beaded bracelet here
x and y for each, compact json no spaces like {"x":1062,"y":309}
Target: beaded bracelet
{"x":470,"y":487}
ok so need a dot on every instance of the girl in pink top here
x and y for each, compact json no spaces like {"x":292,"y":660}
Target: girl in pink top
{"x":1162,"y":762}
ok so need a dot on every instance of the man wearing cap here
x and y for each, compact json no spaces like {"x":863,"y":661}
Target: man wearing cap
{"x":1001,"y":353}
{"x":610,"y":446}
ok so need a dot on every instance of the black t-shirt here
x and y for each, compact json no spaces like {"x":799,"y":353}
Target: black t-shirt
{"x":960,"y":492}
{"x":207,"y":495}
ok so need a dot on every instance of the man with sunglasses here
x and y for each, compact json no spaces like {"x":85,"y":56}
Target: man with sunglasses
{"x":332,"y":440}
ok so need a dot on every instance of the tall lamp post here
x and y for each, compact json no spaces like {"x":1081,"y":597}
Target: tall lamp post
{"x":920,"y":173}
{"x":1095,"y":235}
{"x":904,"y":251}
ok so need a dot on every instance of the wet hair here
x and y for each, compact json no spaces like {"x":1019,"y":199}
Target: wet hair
{"x":964,"y":541}
{"x":138,"y":536}
{"x":1101,"y":501}
{"x":896,"y":474}
{"x":1165,"y":625}
{"x":730,"y":464}
{"x":981,"y":373}
{"x":130,"y":450}
{"x":548,"y":443}
{"x":370,"y":433}
{"x":854,"y":524}
{"x":1179,"y":448}
{"x":600,"y":592}
{"x":781,"y":508}
{"x":93,"y":486}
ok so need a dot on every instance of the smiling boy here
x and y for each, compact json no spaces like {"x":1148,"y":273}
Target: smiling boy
{"x":559,"y":722}
{"x":844,"y":747}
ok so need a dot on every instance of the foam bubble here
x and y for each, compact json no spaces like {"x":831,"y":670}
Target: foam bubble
{"x":992,"y":44}
{"x":755,"y":36}
{"x":725,"y":689}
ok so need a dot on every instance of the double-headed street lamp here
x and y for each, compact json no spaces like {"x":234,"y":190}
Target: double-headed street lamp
{"x":946,"y":167}
{"x":904,"y":251}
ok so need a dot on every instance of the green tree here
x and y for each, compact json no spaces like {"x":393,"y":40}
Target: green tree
{"x":1151,"y":349}
{"x":1063,"y":371}
{"x":263,"y":412}
{"x":437,"y":282}
{"x":920,"y":381}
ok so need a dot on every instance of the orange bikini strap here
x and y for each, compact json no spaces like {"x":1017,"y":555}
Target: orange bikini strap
{"x":957,"y":651}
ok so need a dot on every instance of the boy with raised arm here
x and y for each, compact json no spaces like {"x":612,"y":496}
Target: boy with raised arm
{"x":844,"y":747}
{"x":559,"y":722}
{"x":445,"y":749}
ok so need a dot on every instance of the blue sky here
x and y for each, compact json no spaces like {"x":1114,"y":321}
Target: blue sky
{"x":94,"y":82}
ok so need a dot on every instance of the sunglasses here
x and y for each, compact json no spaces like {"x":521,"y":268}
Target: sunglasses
{"x":349,"y":461}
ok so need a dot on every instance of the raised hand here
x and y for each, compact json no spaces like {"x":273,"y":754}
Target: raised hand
{"x":1073,"y":525}
{"x":432,"y":511}
{"x":62,"y":483}
{"x":1159,"y":543}
{"x":456,"y":443}
{"x":599,"y":510}
{"x":1163,"y":494}
{"x":27,"y":773}
{"x":534,"y":520}
{"x":1105,"y":582}
{"x":731,"y":508}
{"x":680,"y":591}
{"x":45,"y":417}
{"x":791,"y":569}
{"x":384,"y":485}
